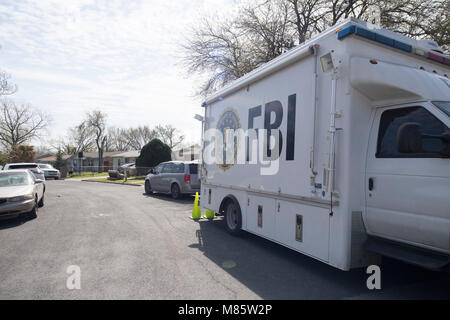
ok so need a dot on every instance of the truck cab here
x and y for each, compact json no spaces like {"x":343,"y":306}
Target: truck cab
{"x":408,"y":175}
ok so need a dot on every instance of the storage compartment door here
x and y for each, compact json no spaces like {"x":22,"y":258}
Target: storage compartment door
{"x":303,"y":228}
{"x":261,"y":216}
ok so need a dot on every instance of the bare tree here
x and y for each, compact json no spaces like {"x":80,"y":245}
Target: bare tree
{"x":117,"y":140}
{"x":139,"y":136}
{"x":81,"y":137}
{"x":307,"y":17}
{"x":20,"y":123}
{"x":97,"y":121}
{"x":62,"y":146}
{"x":6,"y":87}
{"x":169,"y":135}
{"x":226,"y":49}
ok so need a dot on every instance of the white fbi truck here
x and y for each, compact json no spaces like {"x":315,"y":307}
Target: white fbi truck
{"x":338,"y":149}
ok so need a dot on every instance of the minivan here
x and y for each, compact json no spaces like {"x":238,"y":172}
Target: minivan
{"x":173,"y":177}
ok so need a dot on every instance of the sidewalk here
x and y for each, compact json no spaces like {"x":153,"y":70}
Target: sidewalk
{"x":85,"y":178}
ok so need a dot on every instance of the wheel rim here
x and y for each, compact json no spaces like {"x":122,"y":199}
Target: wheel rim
{"x":232,"y":220}
{"x":175,"y":191}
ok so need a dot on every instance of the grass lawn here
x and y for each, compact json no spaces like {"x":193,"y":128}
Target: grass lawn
{"x":133,"y":180}
{"x":87,"y":174}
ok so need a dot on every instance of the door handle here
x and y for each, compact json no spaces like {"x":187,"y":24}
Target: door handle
{"x":371,"y":184}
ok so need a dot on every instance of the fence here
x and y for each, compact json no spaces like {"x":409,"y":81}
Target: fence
{"x":93,"y":171}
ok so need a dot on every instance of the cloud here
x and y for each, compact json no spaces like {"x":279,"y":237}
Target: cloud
{"x":120,"y":56}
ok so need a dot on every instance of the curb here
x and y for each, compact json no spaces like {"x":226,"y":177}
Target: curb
{"x":116,"y":183}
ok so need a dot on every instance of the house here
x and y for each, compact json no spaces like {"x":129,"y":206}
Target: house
{"x":89,"y":161}
{"x":125,"y":157}
{"x":187,"y":154}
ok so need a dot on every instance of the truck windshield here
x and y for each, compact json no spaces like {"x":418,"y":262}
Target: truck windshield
{"x":443,"y":105}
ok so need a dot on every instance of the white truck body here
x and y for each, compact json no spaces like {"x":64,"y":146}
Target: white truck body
{"x":337,"y":101}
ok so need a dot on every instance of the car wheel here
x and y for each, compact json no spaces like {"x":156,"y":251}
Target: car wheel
{"x":233,"y":218}
{"x":148,"y":187}
{"x":41,"y":202}
{"x":175,"y":190}
{"x":33,"y":213}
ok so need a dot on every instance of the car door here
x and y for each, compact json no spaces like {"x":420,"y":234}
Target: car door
{"x":167,"y":176}
{"x":155,"y":179}
{"x":407,"y":194}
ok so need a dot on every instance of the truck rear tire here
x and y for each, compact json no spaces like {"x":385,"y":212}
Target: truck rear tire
{"x":232,"y":217}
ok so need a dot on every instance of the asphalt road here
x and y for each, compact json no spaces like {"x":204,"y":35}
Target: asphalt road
{"x":132,"y":246}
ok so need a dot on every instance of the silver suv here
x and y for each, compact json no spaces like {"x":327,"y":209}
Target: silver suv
{"x":174,"y":177}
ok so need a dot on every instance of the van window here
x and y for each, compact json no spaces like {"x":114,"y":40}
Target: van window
{"x":159,"y":168}
{"x":193,"y":168}
{"x":178,"y":168}
{"x":167,"y":168}
{"x":390,"y":122}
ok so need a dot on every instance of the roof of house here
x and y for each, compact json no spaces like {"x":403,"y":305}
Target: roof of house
{"x":94,"y":155}
{"x":43,"y":155}
{"x":128,"y":154}
{"x":53,"y":158}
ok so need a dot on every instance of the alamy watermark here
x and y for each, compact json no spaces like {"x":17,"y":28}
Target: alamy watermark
{"x":73,"y":281}
{"x":374,"y":280}
{"x":228,"y":147}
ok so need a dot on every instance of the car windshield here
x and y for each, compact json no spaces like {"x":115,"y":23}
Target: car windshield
{"x":443,"y":105}
{"x":9,"y":179}
{"x":45,"y":166}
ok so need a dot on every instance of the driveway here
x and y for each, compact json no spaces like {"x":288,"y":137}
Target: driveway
{"x":132,"y":246}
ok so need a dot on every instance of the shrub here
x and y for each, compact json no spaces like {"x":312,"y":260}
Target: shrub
{"x":152,"y":154}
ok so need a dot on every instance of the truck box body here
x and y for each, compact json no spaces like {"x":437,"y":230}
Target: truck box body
{"x":335,"y":104}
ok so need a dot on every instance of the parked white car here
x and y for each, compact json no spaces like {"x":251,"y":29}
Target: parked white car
{"x":49,"y":171}
{"x":20,"y":193}
{"x":33,"y":167}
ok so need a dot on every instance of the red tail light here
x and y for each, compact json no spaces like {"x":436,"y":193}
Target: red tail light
{"x":187,"y":178}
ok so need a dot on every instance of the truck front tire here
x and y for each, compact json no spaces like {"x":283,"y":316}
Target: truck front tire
{"x":232,"y":217}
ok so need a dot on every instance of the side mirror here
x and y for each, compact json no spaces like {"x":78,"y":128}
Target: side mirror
{"x":39,"y":181}
{"x":409,"y":138}
{"x":152,"y":171}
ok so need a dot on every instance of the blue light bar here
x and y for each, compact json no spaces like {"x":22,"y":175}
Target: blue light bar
{"x":346,"y":32}
{"x":365,"y":33}
{"x":373,"y":36}
{"x":402,"y":46}
{"x":384,"y":40}
{"x":370,"y":35}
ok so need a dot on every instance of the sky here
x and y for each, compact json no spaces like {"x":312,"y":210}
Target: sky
{"x":122,"y":57}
